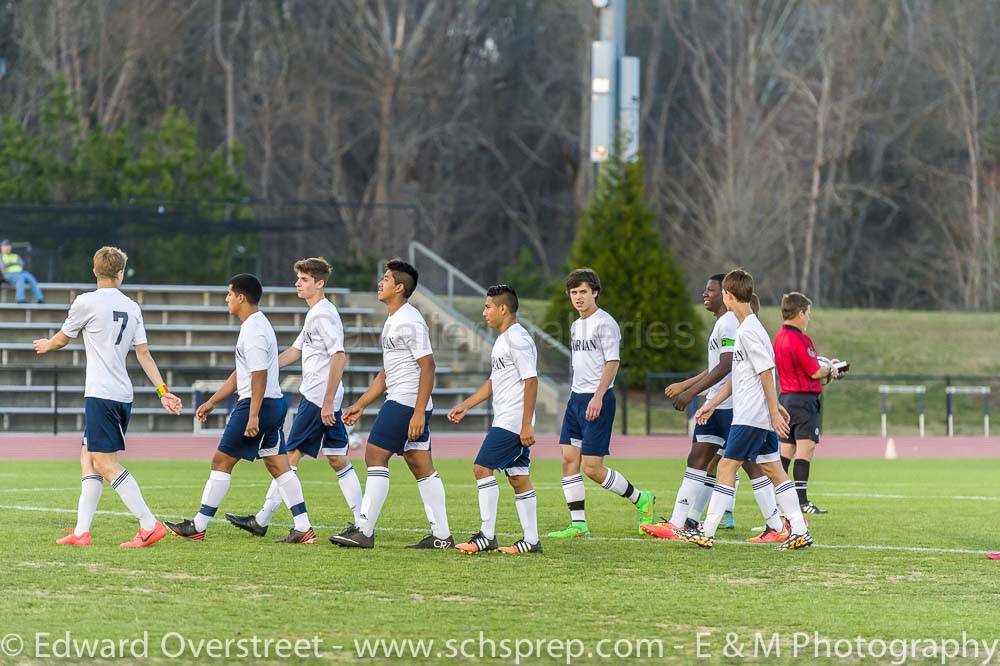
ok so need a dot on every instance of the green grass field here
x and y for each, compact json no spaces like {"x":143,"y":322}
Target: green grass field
{"x":900,"y":556}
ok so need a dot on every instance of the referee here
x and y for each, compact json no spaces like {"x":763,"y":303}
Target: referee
{"x":799,"y":375}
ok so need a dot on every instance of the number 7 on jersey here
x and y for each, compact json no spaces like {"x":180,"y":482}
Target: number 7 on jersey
{"x":124,"y":317}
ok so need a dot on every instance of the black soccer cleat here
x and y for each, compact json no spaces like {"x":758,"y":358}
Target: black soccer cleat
{"x":477,"y":543}
{"x":247,"y":524}
{"x":696,"y":536}
{"x":295,"y":536}
{"x":431,"y":542}
{"x":796,"y":542}
{"x":809,"y":507}
{"x":690,"y":524}
{"x":185,"y":529}
{"x":352,"y":537}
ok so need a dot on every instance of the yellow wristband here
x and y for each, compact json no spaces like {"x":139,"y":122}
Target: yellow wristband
{"x":162,"y":390}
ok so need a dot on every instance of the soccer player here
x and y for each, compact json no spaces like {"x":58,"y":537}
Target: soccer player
{"x":590,"y":413}
{"x":318,"y":428}
{"x":756,"y":420}
{"x":254,"y":427}
{"x":513,"y":382}
{"x":799,"y":373}
{"x":402,"y":425}
{"x":112,"y":325}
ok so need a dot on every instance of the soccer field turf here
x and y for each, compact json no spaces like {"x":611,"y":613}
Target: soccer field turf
{"x":900,"y":556}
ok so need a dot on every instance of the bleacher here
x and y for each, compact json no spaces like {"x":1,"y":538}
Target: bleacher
{"x":192,"y":337}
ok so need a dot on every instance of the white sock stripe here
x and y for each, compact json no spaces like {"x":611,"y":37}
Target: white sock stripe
{"x":787,"y":485}
{"x":692,"y":477}
{"x":609,"y":480}
{"x":725,"y":490}
{"x":566,"y":480}
{"x":760,"y":485}
{"x":344,"y":472}
{"x":94,"y":477}
{"x":488,"y":482}
{"x":523,"y":496}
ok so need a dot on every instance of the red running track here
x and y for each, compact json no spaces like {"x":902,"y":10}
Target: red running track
{"x":201,"y":447}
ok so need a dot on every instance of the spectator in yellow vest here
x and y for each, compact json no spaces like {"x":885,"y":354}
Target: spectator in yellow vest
{"x":14,"y":273}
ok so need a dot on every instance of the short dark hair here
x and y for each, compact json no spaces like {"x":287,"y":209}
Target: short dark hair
{"x":718,"y":277}
{"x":403,"y":273}
{"x":581,"y":276}
{"x":739,"y":283}
{"x":248,"y":285}
{"x":317,"y":268}
{"x":503,"y":294}
{"x":793,"y":303}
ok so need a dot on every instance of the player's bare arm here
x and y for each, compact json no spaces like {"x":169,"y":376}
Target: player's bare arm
{"x":607,"y":377}
{"x":258,"y":386}
{"x":172,"y":403}
{"x":55,"y":343}
{"x":530,"y":398}
{"x":226,"y":390}
{"x":705,"y":411}
{"x":353,"y":413}
{"x":779,"y":417}
{"x":289,"y":356}
{"x":419,"y":419}
{"x":677,"y":388}
{"x":337,"y":364}
{"x":459,"y":411}
{"x":704,"y":381}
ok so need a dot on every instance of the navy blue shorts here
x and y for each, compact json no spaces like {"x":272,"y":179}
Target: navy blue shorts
{"x":593,"y":438}
{"x":105,"y":425}
{"x":389,"y":431}
{"x":270,"y":441}
{"x":716,"y":430}
{"x":502,"y":449}
{"x":749,"y":443}
{"x":311,"y":437}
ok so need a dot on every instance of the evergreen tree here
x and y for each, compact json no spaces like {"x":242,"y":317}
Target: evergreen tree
{"x":641,"y":285}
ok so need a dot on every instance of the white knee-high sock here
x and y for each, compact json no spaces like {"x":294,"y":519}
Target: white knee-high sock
{"x":574,"y":493}
{"x":91,"y":487}
{"x":619,"y":485}
{"x":271,"y":503}
{"x":128,"y":490}
{"x":526,"y":505}
{"x":763,"y":492}
{"x":716,"y":507}
{"x":376,"y":490}
{"x":489,"y":496}
{"x":732,"y":502}
{"x":432,"y":492}
{"x":788,"y":502}
{"x":291,"y":494}
{"x":701,"y":501}
{"x":215,"y":491}
{"x":687,"y":494}
{"x":350,"y":486}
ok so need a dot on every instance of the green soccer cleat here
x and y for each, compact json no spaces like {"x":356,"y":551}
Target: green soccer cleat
{"x":644,"y":507}
{"x":728,"y":522}
{"x":575,"y":529}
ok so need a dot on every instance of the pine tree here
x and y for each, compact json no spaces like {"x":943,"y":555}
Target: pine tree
{"x":641,"y":285}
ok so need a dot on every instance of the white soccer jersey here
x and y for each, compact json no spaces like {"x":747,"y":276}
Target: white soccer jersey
{"x":514,"y":359}
{"x":112,"y":324}
{"x":257,"y":349}
{"x":405,"y":338}
{"x":595,"y":341}
{"x":752,"y":356}
{"x":322,"y":336}
{"x":722,"y":341}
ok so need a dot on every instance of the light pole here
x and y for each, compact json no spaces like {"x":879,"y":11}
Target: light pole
{"x":614,"y":86}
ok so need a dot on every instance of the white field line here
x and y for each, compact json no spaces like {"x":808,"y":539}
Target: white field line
{"x":872,"y":547}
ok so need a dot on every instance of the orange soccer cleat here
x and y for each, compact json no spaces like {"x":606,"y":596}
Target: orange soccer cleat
{"x":666,"y":531}
{"x":72,"y":539}
{"x":993,"y":556}
{"x":146,"y":538}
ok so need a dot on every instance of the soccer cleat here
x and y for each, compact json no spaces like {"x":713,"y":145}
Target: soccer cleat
{"x":477,"y":543}
{"x":146,"y":538}
{"x":809,"y":507}
{"x":697,"y":537}
{"x":186,"y":529}
{"x":728,"y":522}
{"x":796,"y":541}
{"x":575,"y":529}
{"x":248,"y":524}
{"x":769,"y":536}
{"x":431,"y":542}
{"x":644,"y":507}
{"x":72,"y":539}
{"x":522,"y":546}
{"x":295,"y":536}
{"x":353,"y":537}
{"x":993,"y":556}
{"x":663,"y":530}
{"x":691,"y":524}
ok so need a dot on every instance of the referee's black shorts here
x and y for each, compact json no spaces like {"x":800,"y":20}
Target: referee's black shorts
{"x":804,"y":411}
